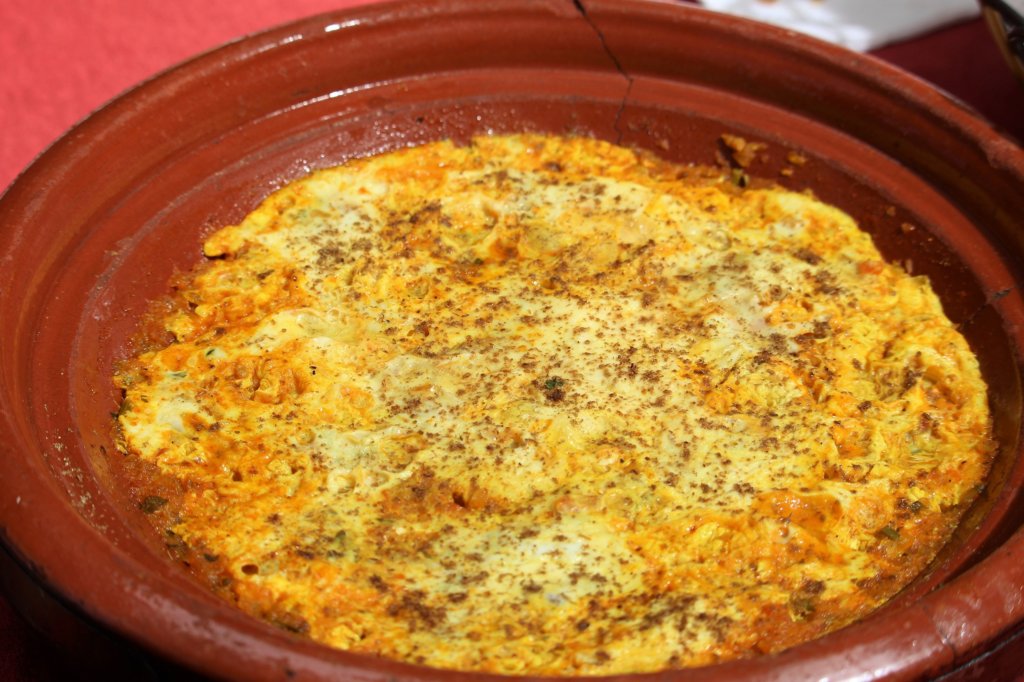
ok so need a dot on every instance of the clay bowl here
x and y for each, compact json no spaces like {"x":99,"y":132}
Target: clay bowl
{"x":99,"y":223}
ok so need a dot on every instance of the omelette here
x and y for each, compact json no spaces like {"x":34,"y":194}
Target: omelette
{"x":547,"y":405}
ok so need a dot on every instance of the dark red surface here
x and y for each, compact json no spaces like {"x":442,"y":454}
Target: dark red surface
{"x":964,"y":61}
{"x":26,"y":654}
{"x":52,"y":81}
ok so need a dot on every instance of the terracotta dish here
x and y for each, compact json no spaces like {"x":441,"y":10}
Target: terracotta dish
{"x":96,"y":227}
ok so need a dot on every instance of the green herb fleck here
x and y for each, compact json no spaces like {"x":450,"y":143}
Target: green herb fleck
{"x":124,"y":408}
{"x":552,"y":388}
{"x":152,"y":503}
{"x":801,"y":607}
{"x":337,"y":544}
{"x":553,"y":382}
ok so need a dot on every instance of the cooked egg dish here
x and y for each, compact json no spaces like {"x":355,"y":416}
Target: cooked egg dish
{"x":546,"y":405}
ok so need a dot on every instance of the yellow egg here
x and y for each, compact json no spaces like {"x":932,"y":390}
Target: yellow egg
{"x":546,"y":405}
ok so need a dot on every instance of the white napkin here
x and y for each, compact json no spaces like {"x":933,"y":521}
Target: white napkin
{"x":857,"y":24}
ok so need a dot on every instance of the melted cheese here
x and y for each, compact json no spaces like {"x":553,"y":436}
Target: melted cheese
{"x":547,"y":405}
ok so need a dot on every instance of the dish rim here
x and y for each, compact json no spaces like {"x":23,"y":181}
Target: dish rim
{"x":22,"y":537}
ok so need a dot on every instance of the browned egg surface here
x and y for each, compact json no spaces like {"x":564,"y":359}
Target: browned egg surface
{"x":548,"y":405}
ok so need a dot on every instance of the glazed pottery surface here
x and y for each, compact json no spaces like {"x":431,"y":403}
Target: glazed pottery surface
{"x":97,"y":226}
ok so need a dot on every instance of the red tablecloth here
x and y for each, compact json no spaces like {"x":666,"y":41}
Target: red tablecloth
{"x":62,"y":59}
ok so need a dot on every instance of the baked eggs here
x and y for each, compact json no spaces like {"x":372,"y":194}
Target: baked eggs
{"x":547,"y":405}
